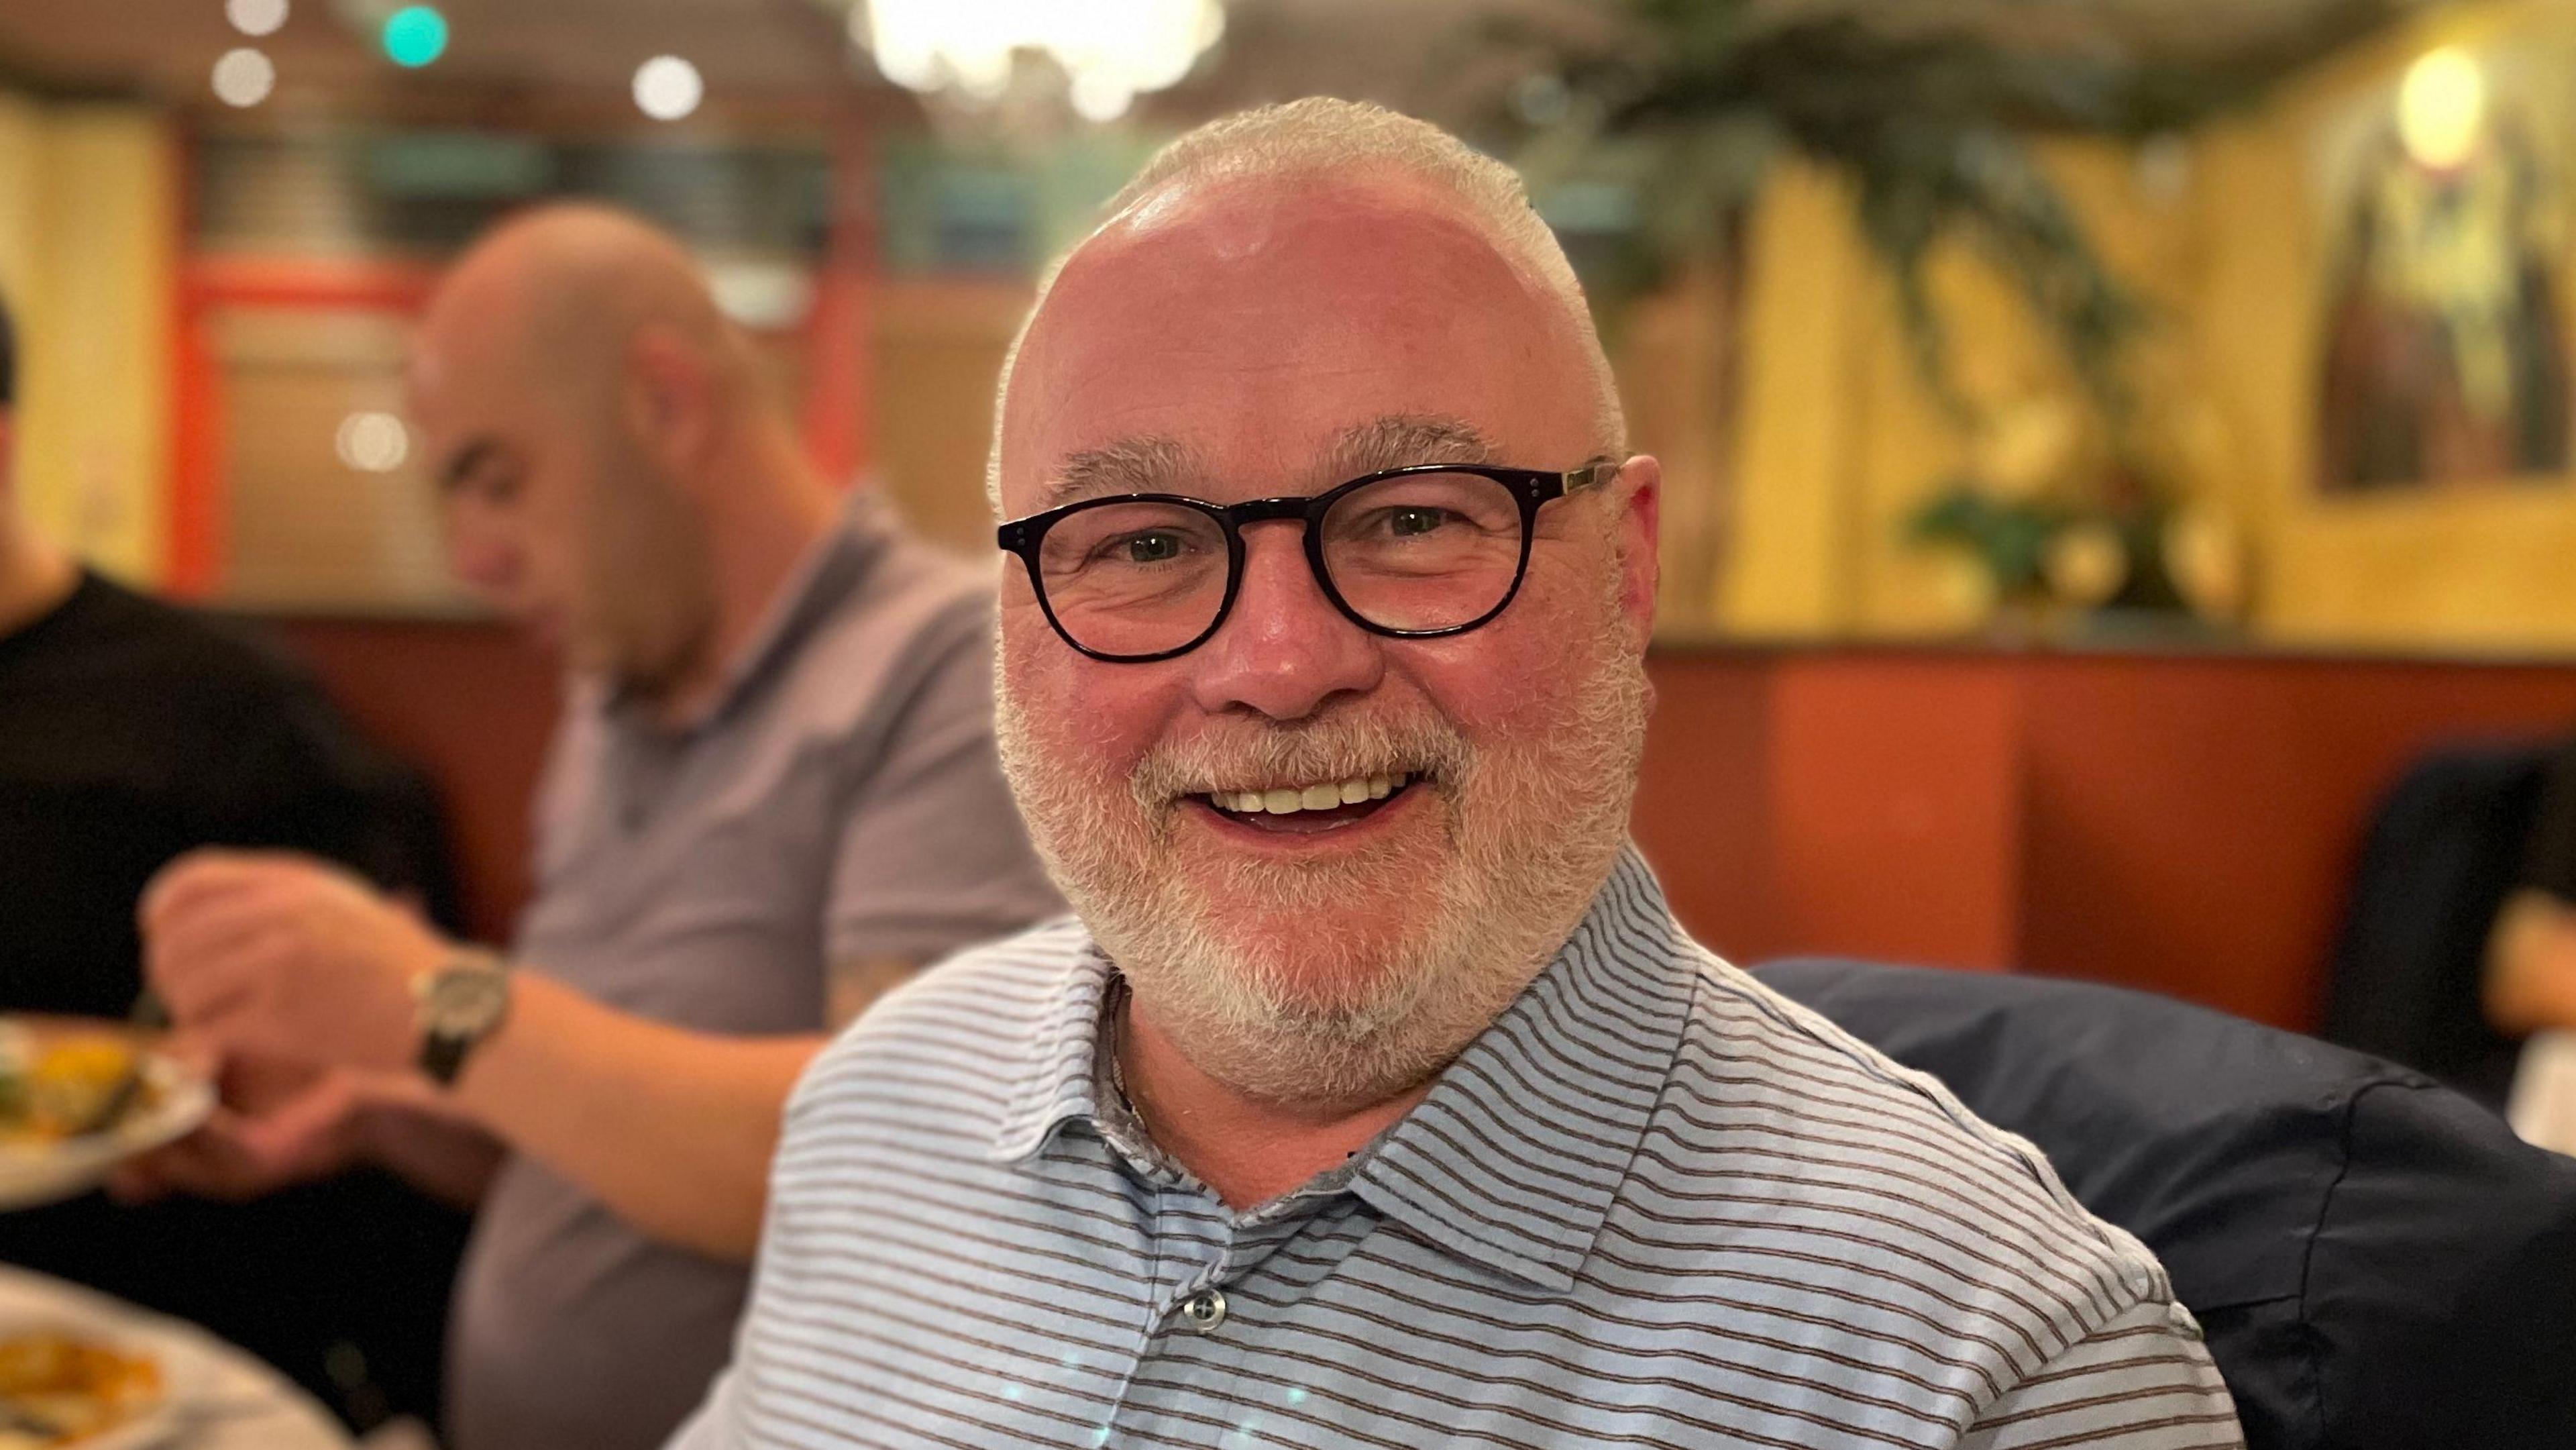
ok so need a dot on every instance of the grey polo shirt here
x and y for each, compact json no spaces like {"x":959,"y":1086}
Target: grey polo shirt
{"x":839,"y":801}
{"x":1654,"y":1205}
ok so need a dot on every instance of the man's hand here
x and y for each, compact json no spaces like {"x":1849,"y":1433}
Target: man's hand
{"x":279,"y":958}
{"x":275,"y":1129}
{"x":283,"y":1124}
{"x":2530,"y":983}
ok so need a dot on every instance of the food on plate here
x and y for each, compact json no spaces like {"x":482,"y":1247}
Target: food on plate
{"x":54,"y":1085}
{"x":60,"y":1389}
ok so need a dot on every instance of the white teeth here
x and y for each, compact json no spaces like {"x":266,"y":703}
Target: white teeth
{"x":1323,"y":796}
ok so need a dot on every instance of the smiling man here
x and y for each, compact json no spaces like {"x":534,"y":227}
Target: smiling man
{"x":1375,"y":1098}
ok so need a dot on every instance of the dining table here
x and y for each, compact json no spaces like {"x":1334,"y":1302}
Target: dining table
{"x":226,"y":1399}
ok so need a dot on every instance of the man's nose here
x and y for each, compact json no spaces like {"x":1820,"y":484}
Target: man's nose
{"x":1284,"y":650}
{"x":483,"y":560}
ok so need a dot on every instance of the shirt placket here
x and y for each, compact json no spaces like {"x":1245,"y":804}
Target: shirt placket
{"x":1198,"y":1389}
{"x":1192,"y":1245}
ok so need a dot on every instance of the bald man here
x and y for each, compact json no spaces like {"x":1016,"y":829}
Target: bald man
{"x":1375,"y":1098}
{"x":773,"y":794}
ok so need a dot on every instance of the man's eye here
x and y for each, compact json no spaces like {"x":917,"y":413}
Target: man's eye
{"x":1409,"y":522}
{"x":1147,"y":549}
{"x":487,"y":489}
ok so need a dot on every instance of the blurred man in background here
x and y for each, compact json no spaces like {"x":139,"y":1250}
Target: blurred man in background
{"x":132,"y":731}
{"x":774,"y":793}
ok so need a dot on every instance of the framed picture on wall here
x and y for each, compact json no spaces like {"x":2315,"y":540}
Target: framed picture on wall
{"x":2442,"y":355}
{"x":2391,"y":318}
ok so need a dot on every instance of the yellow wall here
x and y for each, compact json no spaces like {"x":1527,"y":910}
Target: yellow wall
{"x":1839,"y":439}
{"x":1793,"y":558}
{"x":87,"y":258}
{"x":21,"y":152}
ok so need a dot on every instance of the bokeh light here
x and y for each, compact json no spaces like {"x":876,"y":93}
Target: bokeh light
{"x":668,"y":88}
{"x":415,"y":35}
{"x":244,"y":77}
{"x":373,"y":442}
{"x":256,"y":17}
{"x":2441,"y":107}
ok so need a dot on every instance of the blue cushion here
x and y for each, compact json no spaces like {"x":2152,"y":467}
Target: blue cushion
{"x":2379,"y":1263}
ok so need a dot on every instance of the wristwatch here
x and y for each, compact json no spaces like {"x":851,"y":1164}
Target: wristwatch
{"x":461,"y":1001}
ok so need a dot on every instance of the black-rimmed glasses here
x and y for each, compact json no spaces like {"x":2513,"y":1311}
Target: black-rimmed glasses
{"x":1414,"y":553}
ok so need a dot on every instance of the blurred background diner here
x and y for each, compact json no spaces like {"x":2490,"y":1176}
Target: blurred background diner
{"x":2119,"y":517}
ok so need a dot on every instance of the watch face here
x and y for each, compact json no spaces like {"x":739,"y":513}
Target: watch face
{"x":464,"y":1001}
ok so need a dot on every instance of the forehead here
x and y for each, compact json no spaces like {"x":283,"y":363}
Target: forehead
{"x":1258,"y":323}
{"x":450,"y":375}
{"x":467,"y":365}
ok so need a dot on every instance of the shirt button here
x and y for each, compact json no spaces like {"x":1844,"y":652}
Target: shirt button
{"x":1203,"y":1311}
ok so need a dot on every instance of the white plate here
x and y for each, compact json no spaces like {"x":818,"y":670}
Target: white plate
{"x":187,"y":1373}
{"x":34,"y":1174}
{"x":219,"y":1398}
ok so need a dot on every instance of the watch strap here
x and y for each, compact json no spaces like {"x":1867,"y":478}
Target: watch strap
{"x":442,"y":1057}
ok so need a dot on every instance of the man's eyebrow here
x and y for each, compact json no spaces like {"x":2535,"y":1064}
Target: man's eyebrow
{"x":1152,"y":463}
{"x":1398,"y":440}
{"x":462,"y":464}
{"x":1144,"y":464}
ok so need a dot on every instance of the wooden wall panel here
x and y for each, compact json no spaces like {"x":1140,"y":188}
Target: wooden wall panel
{"x":470,"y":704}
{"x":1703,"y":801}
{"x":1895,"y":807}
{"x":2194,"y":822}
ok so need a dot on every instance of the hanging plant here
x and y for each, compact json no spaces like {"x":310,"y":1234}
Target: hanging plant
{"x":1699,"y":98}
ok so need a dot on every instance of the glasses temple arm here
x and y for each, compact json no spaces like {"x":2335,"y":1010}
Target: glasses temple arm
{"x":1594,"y":474}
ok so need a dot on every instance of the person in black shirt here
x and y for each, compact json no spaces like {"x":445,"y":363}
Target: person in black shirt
{"x":132,"y":731}
{"x":2531,"y":953}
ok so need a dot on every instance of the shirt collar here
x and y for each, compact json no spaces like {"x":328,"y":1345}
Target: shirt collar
{"x":824,"y":579}
{"x":1059,"y":1080}
{"x":1516,"y":1154}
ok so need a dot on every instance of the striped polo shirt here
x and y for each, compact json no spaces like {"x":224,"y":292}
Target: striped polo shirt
{"x":1654,"y":1204}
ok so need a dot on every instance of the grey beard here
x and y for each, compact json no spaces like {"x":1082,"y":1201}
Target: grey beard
{"x":1533,"y":830}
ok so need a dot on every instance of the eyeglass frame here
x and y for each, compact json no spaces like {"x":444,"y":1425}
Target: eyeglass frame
{"x":1531,"y":488}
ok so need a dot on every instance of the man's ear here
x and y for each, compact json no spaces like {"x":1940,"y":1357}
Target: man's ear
{"x":1638,"y":495}
{"x":671,"y":399}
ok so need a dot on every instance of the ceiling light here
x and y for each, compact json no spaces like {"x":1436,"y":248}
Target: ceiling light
{"x":668,"y":88}
{"x":256,"y":17}
{"x":244,"y":77}
{"x":1111,"y":50}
